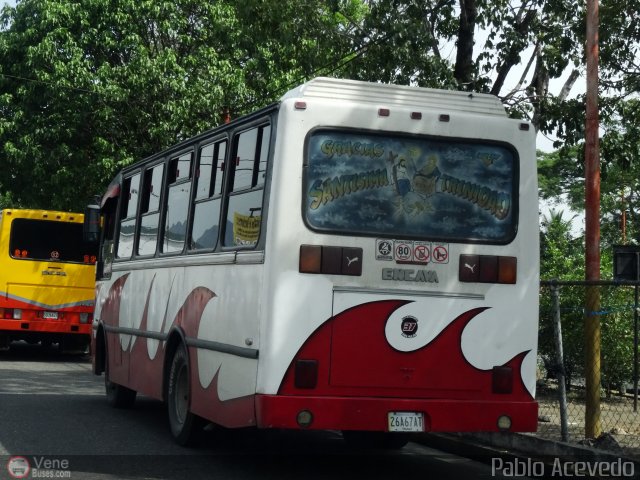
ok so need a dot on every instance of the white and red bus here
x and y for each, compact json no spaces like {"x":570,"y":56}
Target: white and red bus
{"x":357,"y":257}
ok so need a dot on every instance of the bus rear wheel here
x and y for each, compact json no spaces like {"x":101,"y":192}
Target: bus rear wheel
{"x":118,"y":396}
{"x":185,"y":427}
{"x":372,"y":440}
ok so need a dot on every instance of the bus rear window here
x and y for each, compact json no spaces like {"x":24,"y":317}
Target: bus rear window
{"x":50,"y":241}
{"x":413,"y":187}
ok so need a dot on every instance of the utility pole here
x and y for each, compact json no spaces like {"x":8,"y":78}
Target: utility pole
{"x":592,"y":228}
{"x":623,"y":219}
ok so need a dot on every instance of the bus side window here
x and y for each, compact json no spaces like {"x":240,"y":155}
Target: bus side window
{"x":129,"y":200}
{"x":177,"y":206}
{"x":244,"y":210}
{"x":150,"y":210}
{"x":109,"y":231}
{"x":208,"y":197}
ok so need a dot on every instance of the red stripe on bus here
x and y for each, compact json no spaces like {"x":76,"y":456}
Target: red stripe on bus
{"x":355,"y":359}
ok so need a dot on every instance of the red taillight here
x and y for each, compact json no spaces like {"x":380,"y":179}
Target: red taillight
{"x":11,"y":313}
{"x":502,"y":380}
{"x":488,"y":269}
{"x":310,"y":259}
{"x":306,"y":374}
{"x":507,"y":269}
{"x":330,"y":260}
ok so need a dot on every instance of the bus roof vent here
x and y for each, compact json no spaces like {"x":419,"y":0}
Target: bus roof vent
{"x":398,"y":95}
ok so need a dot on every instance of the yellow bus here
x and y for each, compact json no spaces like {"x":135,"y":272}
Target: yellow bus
{"x":47,"y":278}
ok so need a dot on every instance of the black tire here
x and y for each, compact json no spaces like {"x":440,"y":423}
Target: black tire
{"x":186,"y":427}
{"x":118,"y":396}
{"x":78,"y":345}
{"x":373,"y":440}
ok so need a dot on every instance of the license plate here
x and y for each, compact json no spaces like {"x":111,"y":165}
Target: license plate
{"x":406,"y":422}
{"x":50,"y":315}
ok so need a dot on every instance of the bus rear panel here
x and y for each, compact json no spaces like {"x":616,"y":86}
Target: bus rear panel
{"x":406,"y":299}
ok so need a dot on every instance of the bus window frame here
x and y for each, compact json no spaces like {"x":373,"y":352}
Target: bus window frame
{"x":265,"y":117}
{"x":119,"y":219}
{"x":12,"y":226}
{"x":140,"y":215}
{"x":515,"y":192}
{"x":260,"y":124}
{"x":104,"y":268}
{"x":214,"y":141}
{"x":166,"y":186}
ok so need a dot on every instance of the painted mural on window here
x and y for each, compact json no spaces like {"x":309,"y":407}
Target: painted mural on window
{"x":410,"y":186}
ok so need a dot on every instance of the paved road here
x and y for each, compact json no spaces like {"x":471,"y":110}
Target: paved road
{"x":52,"y":410}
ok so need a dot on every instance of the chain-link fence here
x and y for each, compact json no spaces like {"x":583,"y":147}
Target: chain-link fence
{"x":564,"y":366}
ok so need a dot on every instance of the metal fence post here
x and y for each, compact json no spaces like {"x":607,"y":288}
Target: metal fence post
{"x":635,"y":350}
{"x":557,"y":331}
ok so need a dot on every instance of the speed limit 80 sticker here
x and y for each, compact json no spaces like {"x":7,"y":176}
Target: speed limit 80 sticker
{"x":402,"y":251}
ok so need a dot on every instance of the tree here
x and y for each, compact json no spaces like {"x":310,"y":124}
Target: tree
{"x":409,"y":41}
{"x":561,"y":173}
{"x":88,"y":86}
{"x":561,"y":259}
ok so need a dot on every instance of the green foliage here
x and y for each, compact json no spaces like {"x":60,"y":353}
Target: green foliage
{"x":88,"y":86}
{"x":398,"y":42}
{"x":562,"y":258}
{"x":561,"y":174}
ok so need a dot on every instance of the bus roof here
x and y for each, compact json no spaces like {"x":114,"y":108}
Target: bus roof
{"x":40,"y":214}
{"x":356,"y":91}
{"x":389,"y":95}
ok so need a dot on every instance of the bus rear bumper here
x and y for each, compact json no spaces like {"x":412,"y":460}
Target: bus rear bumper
{"x":44,"y":327}
{"x":71,"y":337}
{"x":349,"y":413}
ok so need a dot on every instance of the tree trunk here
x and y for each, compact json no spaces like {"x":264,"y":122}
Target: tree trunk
{"x":464,"y":59}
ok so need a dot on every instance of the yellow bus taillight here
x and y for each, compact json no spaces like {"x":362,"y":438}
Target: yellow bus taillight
{"x":11,"y":313}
